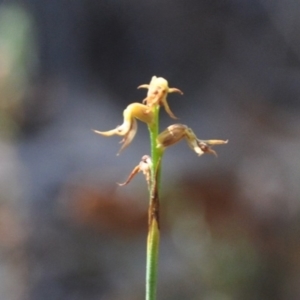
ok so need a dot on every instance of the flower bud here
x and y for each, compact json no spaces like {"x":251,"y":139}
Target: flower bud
{"x":171,"y":135}
{"x":177,"y":132}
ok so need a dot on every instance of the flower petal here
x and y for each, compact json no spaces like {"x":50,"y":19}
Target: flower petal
{"x":173,"y":134}
{"x":143,"y":86}
{"x":119,"y":130}
{"x":139,"y":111}
{"x":129,"y":136}
{"x":175,"y":90}
{"x":144,"y":166}
{"x":215,"y":142}
{"x":106,"y":133}
{"x":205,"y":145}
{"x":131,"y":175}
{"x":167,"y":108}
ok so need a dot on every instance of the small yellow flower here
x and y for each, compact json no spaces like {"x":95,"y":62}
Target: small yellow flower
{"x":129,"y":127}
{"x":177,"y":132}
{"x":158,"y":88}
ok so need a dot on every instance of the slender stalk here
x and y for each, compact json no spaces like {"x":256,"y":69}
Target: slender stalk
{"x":153,"y":213}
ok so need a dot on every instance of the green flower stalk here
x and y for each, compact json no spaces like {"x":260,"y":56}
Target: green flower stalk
{"x":148,"y":112}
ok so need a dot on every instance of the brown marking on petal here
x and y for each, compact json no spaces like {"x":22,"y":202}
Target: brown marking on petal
{"x":206,"y":149}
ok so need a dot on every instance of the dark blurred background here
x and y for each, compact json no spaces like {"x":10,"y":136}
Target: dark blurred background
{"x":230,"y":225}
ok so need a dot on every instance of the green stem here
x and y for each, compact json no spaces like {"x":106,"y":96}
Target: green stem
{"x":153,"y":213}
{"x":152,"y":261}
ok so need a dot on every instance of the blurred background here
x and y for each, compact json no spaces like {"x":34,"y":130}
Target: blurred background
{"x":230,"y":225}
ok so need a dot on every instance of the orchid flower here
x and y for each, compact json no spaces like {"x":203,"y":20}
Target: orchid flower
{"x":144,"y":166}
{"x":177,"y":132}
{"x":158,"y":88}
{"x":129,"y":127}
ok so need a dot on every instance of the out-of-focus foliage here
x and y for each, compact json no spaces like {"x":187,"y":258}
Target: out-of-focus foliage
{"x":17,"y":62}
{"x":17,"y":51}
